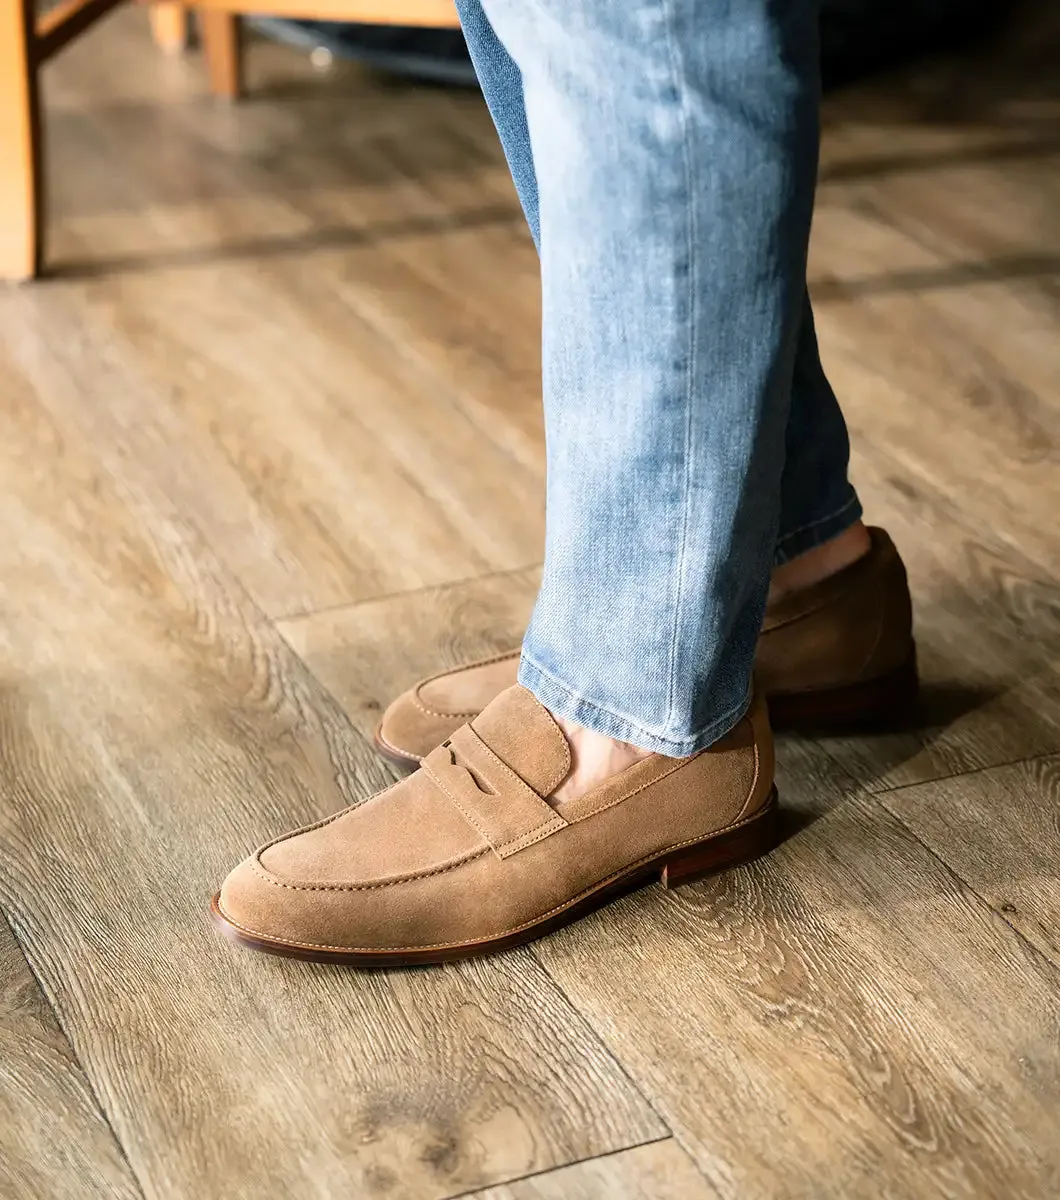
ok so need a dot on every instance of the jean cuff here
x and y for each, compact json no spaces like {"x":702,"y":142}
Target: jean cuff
{"x":562,"y":701}
{"x":792,"y":543}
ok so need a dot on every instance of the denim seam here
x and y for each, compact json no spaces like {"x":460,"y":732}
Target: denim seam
{"x":849,"y":503}
{"x":794,"y":533}
{"x":690,"y":367}
{"x":697,"y":740}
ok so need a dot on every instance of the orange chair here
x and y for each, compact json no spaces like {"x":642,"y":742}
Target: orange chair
{"x":27,"y":42}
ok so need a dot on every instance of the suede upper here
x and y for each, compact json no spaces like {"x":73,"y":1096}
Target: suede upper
{"x":857,"y":625}
{"x":469,"y":848}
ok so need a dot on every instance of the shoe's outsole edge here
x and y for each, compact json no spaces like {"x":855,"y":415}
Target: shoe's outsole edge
{"x":728,"y":848}
{"x":404,"y":762}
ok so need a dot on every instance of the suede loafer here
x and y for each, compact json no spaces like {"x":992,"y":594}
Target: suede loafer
{"x":469,"y":855}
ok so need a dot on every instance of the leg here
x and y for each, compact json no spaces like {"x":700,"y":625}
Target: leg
{"x":827,"y":658}
{"x":674,"y":149}
{"x":222,"y":43}
{"x":21,"y":163}
{"x":818,"y":502}
{"x":671,"y":315}
{"x":169,"y":26}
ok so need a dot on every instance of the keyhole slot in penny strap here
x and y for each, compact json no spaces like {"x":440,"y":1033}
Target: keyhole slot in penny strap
{"x":511,"y":815}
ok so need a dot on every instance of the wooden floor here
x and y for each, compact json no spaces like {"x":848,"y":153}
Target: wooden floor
{"x":271,"y":448}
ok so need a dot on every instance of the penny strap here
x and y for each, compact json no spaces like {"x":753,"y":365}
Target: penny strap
{"x":510,"y":815}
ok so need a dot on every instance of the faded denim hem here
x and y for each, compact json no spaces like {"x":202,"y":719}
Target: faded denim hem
{"x":561,"y":701}
{"x":808,"y":537}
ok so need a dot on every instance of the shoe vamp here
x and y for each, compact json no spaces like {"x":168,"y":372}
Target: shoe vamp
{"x":409,"y":828}
{"x":469,"y":691}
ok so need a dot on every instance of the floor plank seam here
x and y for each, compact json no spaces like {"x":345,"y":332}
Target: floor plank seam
{"x":325,"y":240}
{"x":392,"y":771}
{"x":104,"y":1116}
{"x":951,"y":499}
{"x":997,"y":766}
{"x":344,"y":605}
{"x":970,"y":888}
{"x":475,"y":1191}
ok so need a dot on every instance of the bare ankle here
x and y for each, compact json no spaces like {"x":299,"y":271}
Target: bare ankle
{"x":820,"y":562}
{"x":594,"y":758}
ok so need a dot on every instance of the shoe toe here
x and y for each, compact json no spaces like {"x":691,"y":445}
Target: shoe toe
{"x":247,"y":899}
{"x":409,"y":731}
{"x":254,"y":904}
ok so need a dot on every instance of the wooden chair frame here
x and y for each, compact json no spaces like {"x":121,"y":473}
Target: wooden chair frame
{"x":28,"y":41}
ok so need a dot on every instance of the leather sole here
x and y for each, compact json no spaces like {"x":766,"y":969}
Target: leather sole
{"x":817,"y":710}
{"x":404,"y":762}
{"x":738,"y":844}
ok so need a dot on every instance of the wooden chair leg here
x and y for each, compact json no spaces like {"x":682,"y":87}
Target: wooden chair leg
{"x":222,"y":43}
{"x":21,"y":161}
{"x":169,"y":26}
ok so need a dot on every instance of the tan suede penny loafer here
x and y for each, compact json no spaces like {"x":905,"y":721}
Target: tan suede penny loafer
{"x":467,"y":856}
{"x":837,"y":654}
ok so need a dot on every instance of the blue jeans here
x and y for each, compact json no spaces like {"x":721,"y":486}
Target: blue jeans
{"x":665,"y":154}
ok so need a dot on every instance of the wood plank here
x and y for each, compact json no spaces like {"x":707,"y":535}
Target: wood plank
{"x":296,"y":428}
{"x":917,"y":380}
{"x":999,"y":830}
{"x":826,"y":1022}
{"x":822,"y":1024}
{"x":660,"y":1170}
{"x":54,"y":1142}
{"x":937,"y":292}
{"x":153,"y":728}
{"x":419,"y":177}
{"x":820,"y":995}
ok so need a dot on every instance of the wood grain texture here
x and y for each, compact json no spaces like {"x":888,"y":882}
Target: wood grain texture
{"x":153,"y":727}
{"x":826,"y":1022}
{"x":922,"y":383}
{"x":935,"y":268}
{"x":54,"y":1142}
{"x":820,"y":995}
{"x":999,"y":830}
{"x":272,"y":450}
{"x":299,"y":427}
{"x":659,"y":1171}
